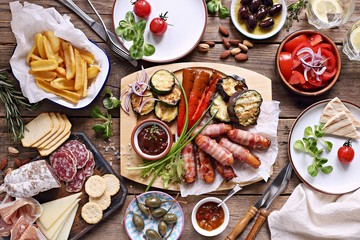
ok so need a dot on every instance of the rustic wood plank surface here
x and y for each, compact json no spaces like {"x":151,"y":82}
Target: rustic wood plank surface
{"x":263,"y":54}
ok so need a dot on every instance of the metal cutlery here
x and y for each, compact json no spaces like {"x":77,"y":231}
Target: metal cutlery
{"x":232,"y":192}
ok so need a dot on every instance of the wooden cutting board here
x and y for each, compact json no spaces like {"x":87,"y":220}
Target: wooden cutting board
{"x":128,"y":157}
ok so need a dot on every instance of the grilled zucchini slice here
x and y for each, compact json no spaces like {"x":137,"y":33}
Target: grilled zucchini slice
{"x":172,"y":98}
{"x":162,"y":82}
{"x":137,"y":100}
{"x":165,"y":112}
{"x":219,"y":106}
{"x":244,"y":107}
{"x":229,"y":85}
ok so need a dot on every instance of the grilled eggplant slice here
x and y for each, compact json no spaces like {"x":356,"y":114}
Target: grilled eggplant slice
{"x":165,"y":112}
{"x":172,"y":98}
{"x":244,"y":107}
{"x":219,"y":106}
{"x":162,"y":82}
{"x":137,"y":100}
{"x":229,"y":85}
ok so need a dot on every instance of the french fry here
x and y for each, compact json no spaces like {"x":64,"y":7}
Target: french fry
{"x":87,"y":56}
{"x":40,"y":45}
{"x":43,"y":65}
{"x":79,"y":76}
{"x":44,"y":75}
{"x":28,"y":57}
{"x":69,"y":59}
{"x":66,"y":94}
{"x":61,"y":72}
{"x":93,"y":71}
{"x":50,"y":54}
{"x":35,"y":57}
{"x":54,"y":40}
{"x":60,"y":60}
{"x":85,"y":78}
{"x":62,"y":84}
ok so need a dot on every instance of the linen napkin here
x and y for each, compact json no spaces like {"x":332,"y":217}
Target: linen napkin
{"x":309,"y":214}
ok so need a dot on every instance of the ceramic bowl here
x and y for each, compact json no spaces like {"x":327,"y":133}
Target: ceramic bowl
{"x":135,"y":143}
{"x":216,"y":231}
{"x":302,"y":90}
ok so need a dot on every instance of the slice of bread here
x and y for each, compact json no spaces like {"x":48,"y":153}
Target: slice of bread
{"x":334,"y":107}
{"x":55,"y":129}
{"x":36,"y":129}
{"x":341,"y":125}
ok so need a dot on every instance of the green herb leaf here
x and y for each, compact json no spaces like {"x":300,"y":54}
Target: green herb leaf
{"x":223,"y":12}
{"x":312,"y":170}
{"x":130,"y":17}
{"x":212,"y":7}
{"x":308,"y":131}
{"x":106,"y":127}
{"x":110,"y":102}
{"x":299,"y":146}
{"x":148,"y":49}
{"x":327,"y":169}
{"x":96,"y":112}
{"x":99,"y":127}
{"x":328,"y":145}
{"x":136,"y":52}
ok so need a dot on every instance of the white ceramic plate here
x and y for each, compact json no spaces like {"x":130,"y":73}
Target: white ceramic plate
{"x":235,"y":5}
{"x":187,"y":17}
{"x":151,"y":222}
{"x":344,"y":178}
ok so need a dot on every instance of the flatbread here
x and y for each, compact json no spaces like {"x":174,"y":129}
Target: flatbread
{"x":334,"y":107}
{"x":36,"y":129}
{"x":341,"y":125}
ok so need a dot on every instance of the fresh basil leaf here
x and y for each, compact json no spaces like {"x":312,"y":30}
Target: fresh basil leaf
{"x":312,"y":170}
{"x":299,"y":145}
{"x":223,"y":12}
{"x":148,"y":49}
{"x":308,"y":131}
{"x":327,"y":169}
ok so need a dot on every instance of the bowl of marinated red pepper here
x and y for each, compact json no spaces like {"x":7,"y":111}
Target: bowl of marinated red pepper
{"x":151,"y":139}
{"x":308,"y":63}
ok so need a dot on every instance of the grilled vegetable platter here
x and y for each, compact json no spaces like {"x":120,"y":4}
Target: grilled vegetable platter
{"x":223,"y":117}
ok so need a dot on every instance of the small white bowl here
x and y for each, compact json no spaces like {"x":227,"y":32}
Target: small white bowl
{"x":216,"y":231}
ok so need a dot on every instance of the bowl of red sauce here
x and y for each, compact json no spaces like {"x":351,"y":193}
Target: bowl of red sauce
{"x":151,"y":139}
{"x":308,"y":63}
{"x":208,"y":219}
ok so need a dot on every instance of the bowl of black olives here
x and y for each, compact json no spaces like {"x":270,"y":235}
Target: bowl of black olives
{"x":258,"y":19}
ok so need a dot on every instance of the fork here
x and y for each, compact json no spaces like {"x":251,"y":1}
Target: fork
{"x":110,"y":43}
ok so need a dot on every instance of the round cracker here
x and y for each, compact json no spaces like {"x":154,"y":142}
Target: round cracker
{"x":103,"y":201}
{"x":112,"y":184}
{"x":95,"y":186}
{"x":91,"y":213}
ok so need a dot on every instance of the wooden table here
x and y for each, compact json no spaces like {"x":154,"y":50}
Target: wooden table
{"x":261,"y":60}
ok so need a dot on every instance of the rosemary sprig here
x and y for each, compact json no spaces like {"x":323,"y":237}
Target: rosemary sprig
{"x":293,"y":12}
{"x":12,"y":100}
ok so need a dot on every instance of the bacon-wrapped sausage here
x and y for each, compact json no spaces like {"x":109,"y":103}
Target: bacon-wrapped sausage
{"x":188,"y":156}
{"x":212,"y":148}
{"x":227,"y":172}
{"x":248,"y":139}
{"x":240,"y":153}
{"x":214,"y":130}
{"x":205,"y":169}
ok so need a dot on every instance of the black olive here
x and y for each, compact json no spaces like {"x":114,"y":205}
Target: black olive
{"x":254,"y":6}
{"x":268,"y":3}
{"x":245,"y":2}
{"x":251,"y":22}
{"x":275,"y":10}
{"x":267,"y":23}
{"x":243,"y":13}
{"x":261,"y":13}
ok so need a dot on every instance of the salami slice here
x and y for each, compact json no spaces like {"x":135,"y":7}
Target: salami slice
{"x":77,"y":183}
{"x":89,"y":166}
{"x":79,"y":150}
{"x":64,"y":164}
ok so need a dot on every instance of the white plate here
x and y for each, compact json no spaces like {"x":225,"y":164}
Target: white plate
{"x":344,"y":178}
{"x":235,"y":5}
{"x":187,"y":18}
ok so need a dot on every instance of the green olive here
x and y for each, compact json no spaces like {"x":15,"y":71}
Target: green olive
{"x":158,"y":213}
{"x":153,"y":202}
{"x":162,"y":228}
{"x":143,"y":209}
{"x":170,"y":218}
{"x":151,"y":234}
{"x":138,"y":222}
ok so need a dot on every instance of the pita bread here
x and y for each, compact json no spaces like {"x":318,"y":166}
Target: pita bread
{"x":341,"y":125}
{"x":334,"y":107}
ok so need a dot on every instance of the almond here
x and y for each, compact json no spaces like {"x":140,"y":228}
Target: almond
{"x":248,"y":43}
{"x":17,"y":162}
{"x":225,"y":54}
{"x":235,"y":51}
{"x":243,"y":47}
{"x":223,"y":31}
{"x":203,"y":47}
{"x":210,"y":43}
{"x":241,"y":57}
{"x":234,"y":42}
{"x":3,"y":163}
{"x":226,"y":43}
{"x":13,"y":151}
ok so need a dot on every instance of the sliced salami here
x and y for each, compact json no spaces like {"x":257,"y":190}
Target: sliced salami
{"x":64,"y":164}
{"x":79,"y":150}
{"x":89,"y":166}
{"x":77,"y":183}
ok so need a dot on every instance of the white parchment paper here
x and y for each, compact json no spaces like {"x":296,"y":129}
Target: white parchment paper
{"x":267,"y":124}
{"x":30,"y":19}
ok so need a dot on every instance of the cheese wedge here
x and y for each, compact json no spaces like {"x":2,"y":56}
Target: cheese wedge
{"x":54,"y":209}
{"x":341,"y":125}
{"x":36,"y":129}
{"x":62,"y":124}
{"x":334,"y":107}
{"x":65,"y":230}
{"x":55,"y":128}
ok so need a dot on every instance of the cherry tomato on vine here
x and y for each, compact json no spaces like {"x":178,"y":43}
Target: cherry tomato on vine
{"x":142,"y":8}
{"x":346,"y":153}
{"x":158,"y":25}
